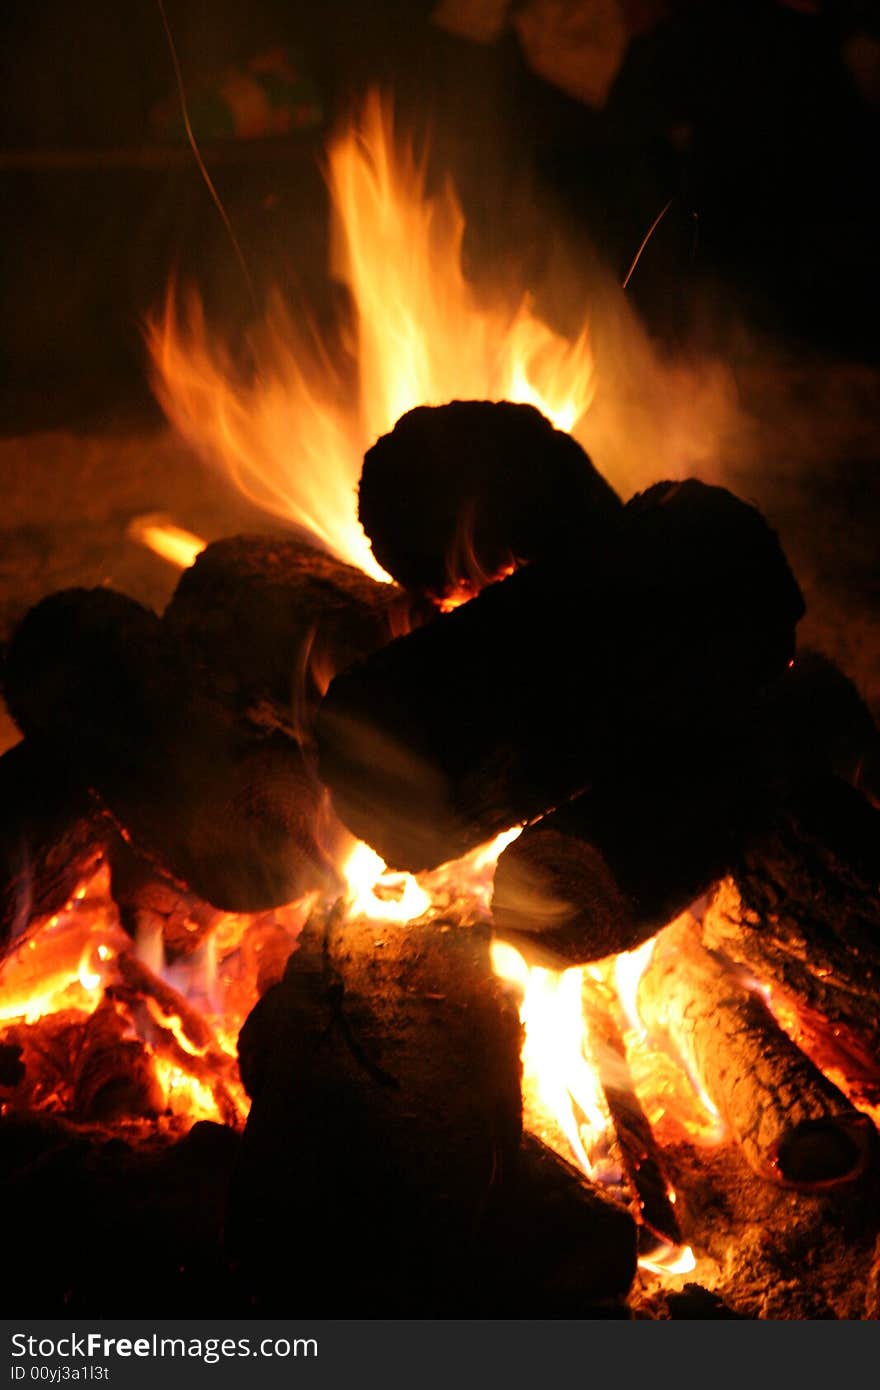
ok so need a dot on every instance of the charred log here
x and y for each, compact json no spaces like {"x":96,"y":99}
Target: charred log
{"x":792,"y":1124}
{"x":225,"y":804}
{"x":611,"y":867}
{"x":457,"y":493}
{"x":52,"y":836}
{"x":273,"y":619}
{"x":509,"y":705}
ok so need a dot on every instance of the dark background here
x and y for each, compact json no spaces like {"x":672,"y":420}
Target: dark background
{"x":758,"y":117}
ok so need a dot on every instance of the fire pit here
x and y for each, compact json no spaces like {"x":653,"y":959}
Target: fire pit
{"x":473,"y":914}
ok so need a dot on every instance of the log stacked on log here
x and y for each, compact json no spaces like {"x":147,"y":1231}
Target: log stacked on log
{"x":560,"y":676}
{"x":793,"y":1125}
{"x":455,"y":494}
{"x":800,"y":913}
{"x":385,"y":1131}
{"x":270,"y":619}
{"x":193,"y":731}
{"x":227,"y":808}
{"x":613,"y":866}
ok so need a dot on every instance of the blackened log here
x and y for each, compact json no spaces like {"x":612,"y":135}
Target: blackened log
{"x":637,"y":1151}
{"x":611,"y":867}
{"x":270,"y":618}
{"x":457,"y":493}
{"x":385,"y":1077}
{"x":559,"y":677}
{"x":52,"y":836}
{"x":225,"y":804}
{"x":792,"y":1124}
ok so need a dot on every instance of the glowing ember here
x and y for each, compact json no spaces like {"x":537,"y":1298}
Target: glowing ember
{"x":291,"y":433}
{"x":78,"y":967}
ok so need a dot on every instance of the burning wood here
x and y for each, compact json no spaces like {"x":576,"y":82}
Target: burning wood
{"x":364,"y":1135}
{"x":800,"y":914}
{"x":639,"y":1154}
{"x":458,"y":494}
{"x":273,"y":619}
{"x":453,"y":733}
{"x":793,"y":1125}
{"x":226,"y":805}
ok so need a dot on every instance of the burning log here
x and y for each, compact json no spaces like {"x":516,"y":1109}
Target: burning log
{"x":792,"y":1124}
{"x":52,"y":836}
{"x":385,"y":1078}
{"x":384,"y":1136}
{"x":269,"y":618}
{"x":227,"y":805}
{"x":457,"y":493}
{"x":611,"y":867}
{"x":800,"y":913}
{"x":457,"y":731}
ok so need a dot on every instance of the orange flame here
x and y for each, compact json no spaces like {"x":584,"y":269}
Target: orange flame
{"x":289,"y":434}
{"x":563,"y":1095}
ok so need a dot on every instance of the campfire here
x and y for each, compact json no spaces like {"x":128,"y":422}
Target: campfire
{"x":492,"y":858}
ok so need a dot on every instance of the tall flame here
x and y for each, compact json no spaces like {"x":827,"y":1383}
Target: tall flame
{"x":289,"y":433}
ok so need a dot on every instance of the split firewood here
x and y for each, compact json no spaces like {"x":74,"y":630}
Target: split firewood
{"x":793,"y":1125}
{"x":457,"y":493}
{"x":559,"y":677}
{"x":800,"y":913}
{"x":611,"y":867}
{"x":265,"y":618}
{"x":52,"y":836}
{"x":385,"y":1077}
{"x":224,"y":804}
